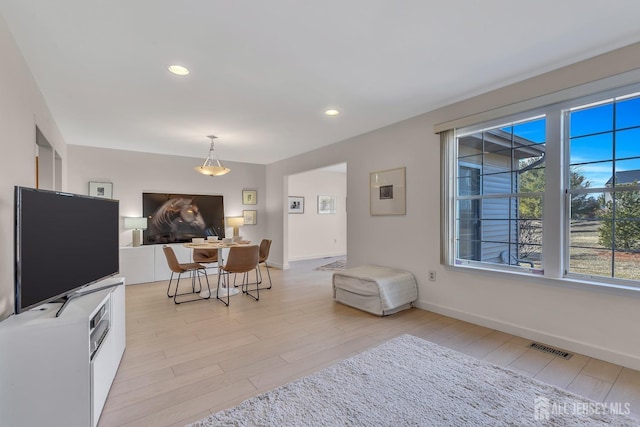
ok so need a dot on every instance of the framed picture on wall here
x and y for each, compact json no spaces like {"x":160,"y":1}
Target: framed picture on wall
{"x":327,"y":204}
{"x":250,"y":217}
{"x":387,"y":192}
{"x":177,"y":218}
{"x":101,"y":189}
{"x":296,"y":204}
{"x":249,"y":197}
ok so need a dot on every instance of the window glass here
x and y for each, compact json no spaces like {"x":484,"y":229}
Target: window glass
{"x":592,"y":120}
{"x":587,"y":255}
{"x":604,"y":227}
{"x":627,"y":113}
{"x":499,"y":200}
{"x":627,"y":142}
{"x":591,"y":148}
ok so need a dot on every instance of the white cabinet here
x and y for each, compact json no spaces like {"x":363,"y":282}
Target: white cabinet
{"x":49,"y":374}
{"x":137,"y":264}
{"x":147,"y":263}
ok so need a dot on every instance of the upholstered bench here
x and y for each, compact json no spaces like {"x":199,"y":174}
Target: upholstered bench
{"x":375,"y":289}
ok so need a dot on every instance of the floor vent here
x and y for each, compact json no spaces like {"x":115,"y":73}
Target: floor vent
{"x":551,"y":350}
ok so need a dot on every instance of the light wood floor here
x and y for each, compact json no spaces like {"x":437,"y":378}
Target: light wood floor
{"x":186,"y":361}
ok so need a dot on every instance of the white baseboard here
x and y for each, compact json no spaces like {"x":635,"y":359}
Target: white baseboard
{"x":279,"y":265}
{"x":316,"y":256}
{"x":623,"y":359}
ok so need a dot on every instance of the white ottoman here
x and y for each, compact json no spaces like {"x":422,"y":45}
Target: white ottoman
{"x":375,"y":289}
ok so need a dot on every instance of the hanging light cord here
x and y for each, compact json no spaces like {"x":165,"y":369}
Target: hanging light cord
{"x":212,"y":156}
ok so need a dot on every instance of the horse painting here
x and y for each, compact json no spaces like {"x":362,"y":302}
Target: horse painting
{"x":176,"y":219}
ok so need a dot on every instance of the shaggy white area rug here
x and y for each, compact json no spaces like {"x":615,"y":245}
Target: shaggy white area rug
{"x":412,"y":382}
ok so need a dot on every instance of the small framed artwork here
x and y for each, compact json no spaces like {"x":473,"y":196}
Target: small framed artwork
{"x":250,"y":217}
{"x":387,"y":192}
{"x":327,"y":204}
{"x":101,"y":189}
{"x":296,"y":204}
{"x":249,"y":197}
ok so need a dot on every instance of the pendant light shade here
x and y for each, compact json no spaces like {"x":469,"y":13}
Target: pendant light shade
{"x":212,"y":165}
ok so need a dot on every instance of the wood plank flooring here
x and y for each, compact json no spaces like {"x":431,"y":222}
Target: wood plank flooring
{"x":186,"y":361}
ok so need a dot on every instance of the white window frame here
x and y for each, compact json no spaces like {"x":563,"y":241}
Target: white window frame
{"x":556,"y":198}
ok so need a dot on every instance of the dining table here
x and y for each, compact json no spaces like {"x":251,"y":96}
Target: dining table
{"x":220,"y":245}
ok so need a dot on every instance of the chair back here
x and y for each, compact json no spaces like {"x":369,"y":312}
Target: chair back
{"x":265,"y":246}
{"x":205,"y":255}
{"x":242,"y":259}
{"x":172,"y":260}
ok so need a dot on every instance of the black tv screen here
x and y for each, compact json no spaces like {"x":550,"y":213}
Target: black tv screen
{"x":174,"y":218}
{"x":63,"y":242}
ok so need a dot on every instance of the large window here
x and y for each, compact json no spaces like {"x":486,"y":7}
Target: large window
{"x":503,"y":178}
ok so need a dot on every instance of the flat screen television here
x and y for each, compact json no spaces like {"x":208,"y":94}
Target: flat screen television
{"x":62,"y":242}
{"x":175,"y":218}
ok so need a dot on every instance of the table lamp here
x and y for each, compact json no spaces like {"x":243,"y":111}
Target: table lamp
{"x":137,"y":224}
{"x":235,"y":222}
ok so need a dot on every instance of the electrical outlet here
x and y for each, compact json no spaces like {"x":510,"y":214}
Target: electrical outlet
{"x":432,"y":276}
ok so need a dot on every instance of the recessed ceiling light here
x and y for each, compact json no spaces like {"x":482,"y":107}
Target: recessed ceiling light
{"x":331,"y":112}
{"x":179,"y":70}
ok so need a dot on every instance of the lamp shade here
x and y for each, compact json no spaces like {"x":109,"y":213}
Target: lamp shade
{"x":235,"y":221}
{"x":212,"y":170}
{"x":135,"y":223}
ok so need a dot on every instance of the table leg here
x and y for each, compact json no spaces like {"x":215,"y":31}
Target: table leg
{"x":224,"y":291}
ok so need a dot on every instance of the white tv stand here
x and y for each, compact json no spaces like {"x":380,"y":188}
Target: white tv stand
{"x":57,"y":371}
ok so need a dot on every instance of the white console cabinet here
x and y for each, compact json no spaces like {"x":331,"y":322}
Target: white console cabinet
{"x":147,"y":263}
{"x":57,"y":371}
{"x":137,"y":264}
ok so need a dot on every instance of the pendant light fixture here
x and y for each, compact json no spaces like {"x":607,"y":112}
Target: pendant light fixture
{"x":211,"y":165}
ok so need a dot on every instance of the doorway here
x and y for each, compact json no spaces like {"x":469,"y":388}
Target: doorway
{"x":317,"y":225}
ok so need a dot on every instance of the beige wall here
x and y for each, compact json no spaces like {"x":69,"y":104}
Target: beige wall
{"x":582,"y":318}
{"x":22,"y":107}
{"x":134,"y":173}
{"x":313,"y":235}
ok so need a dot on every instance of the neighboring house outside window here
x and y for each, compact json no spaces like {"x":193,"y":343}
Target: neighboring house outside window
{"x":622,"y":178}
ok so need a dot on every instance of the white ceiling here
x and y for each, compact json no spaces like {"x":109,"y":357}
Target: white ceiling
{"x":263,"y":72}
